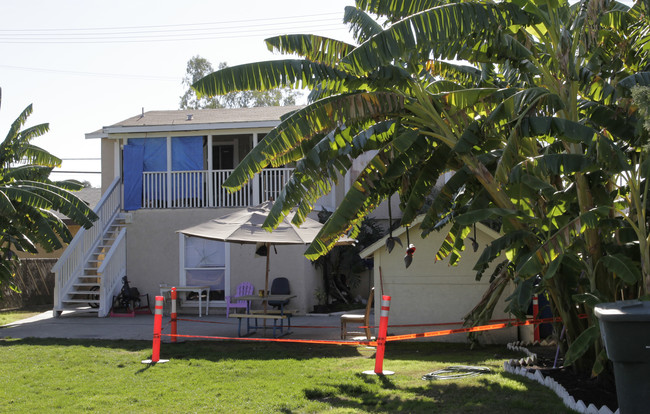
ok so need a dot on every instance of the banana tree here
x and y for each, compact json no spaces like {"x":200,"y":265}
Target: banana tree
{"x":521,"y":123}
{"x":28,"y":198}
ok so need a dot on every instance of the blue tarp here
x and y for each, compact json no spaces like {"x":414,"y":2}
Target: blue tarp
{"x":155,"y":153}
{"x":132,"y":166}
{"x":150,"y":154}
{"x":187,"y":153}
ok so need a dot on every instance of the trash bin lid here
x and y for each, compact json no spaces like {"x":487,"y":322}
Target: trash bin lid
{"x":624,"y":311}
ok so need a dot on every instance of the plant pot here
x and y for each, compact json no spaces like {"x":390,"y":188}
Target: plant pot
{"x":625,"y":328}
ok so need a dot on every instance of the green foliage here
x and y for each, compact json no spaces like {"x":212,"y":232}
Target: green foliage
{"x":199,"y":67}
{"x":342,"y":266}
{"x":28,"y":198}
{"x":538,"y":127}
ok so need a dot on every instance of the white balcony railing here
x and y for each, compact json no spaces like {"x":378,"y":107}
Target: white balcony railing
{"x":196,"y":189}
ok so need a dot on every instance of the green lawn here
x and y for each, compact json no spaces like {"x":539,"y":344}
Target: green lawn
{"x":107,"y":376}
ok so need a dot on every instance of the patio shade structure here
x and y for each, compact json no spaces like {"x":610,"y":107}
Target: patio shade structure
{"x":245,"y":226}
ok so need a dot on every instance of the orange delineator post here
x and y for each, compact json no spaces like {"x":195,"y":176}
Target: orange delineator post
{"x":173,"y":314}
{"x":157,"y":329}
{"x":381,"y":335}
{"x":535,"y":314}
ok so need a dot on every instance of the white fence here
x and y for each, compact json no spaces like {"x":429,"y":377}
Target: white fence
{"x":76,"y":255}
{"x":195,"y":189}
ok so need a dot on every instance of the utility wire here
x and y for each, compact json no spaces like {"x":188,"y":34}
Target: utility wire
{"x":169,"y":33}
{"x":163,"y":38}
{"x":265,"y":19}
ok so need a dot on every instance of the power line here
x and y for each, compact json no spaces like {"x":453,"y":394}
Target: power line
{"x":169,"y":38}
{"x":96,"y":32}
{"x":265,"y":19}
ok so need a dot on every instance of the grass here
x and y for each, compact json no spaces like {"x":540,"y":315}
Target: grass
{"x":56,"y":375}
{"x":13,"y":315}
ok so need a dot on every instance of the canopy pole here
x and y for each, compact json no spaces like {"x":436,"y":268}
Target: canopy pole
{"x":266,"y":279}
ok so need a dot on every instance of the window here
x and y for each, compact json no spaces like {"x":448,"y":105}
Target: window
{"x":205,"y":263}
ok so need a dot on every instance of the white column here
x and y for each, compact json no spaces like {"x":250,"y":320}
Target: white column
{"x":211,"y":202}
{"x":169,"y":169}
{"x":117,"y":169}
{"x":181,"y":258}
{"x":256,"y":179}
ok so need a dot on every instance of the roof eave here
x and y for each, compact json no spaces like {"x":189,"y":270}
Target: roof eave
{"x":370,"y":250}
{"x":106,"y":131}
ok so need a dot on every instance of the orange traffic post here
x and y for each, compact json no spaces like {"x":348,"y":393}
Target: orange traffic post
{"x":173,"y":314}
{"x":157,"y":330}
{"x":535,"y":317}
{"x":381,"y":339}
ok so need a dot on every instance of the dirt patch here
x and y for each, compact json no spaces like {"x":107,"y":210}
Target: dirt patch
{"x":580,"y":386}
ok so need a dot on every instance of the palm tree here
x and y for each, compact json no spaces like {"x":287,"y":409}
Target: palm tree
{"x":536,"y":124}
{"x":28,"y":198}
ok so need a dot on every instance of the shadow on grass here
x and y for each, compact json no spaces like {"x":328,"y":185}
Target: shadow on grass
{"x":438,"y":397}
{"x":205,"y":350}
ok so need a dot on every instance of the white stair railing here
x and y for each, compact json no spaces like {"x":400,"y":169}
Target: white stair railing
{"x":77,"y":254}
{"x":111,"y":271}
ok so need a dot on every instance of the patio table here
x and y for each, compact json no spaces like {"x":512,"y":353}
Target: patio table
{"x":273,"y":315}
{"x":198,"y":289}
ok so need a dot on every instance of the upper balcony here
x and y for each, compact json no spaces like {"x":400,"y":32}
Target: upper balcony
{"x":180,"y":159}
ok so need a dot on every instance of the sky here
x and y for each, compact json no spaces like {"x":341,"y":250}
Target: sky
{"x":88,"y":64}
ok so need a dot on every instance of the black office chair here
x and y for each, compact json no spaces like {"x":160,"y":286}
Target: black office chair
{"x":279,"y":286}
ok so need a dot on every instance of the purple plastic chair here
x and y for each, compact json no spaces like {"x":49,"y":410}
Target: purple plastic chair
{"x":244,"y":289}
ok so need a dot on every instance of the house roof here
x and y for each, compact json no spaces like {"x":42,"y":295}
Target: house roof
{"x":89,"y":195}
{"x":197,"y":119}
{"x":370,"y":250}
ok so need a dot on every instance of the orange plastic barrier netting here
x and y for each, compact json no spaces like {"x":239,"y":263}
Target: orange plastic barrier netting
{"x":472,"y":329}
{"x":302,"y":341}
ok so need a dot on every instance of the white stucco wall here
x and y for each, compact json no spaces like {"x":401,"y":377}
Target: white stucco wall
{"x":430,"y":292}
{"x":153,"y":256}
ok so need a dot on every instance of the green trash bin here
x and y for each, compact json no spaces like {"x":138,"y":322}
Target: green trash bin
{"x":625,"y":328}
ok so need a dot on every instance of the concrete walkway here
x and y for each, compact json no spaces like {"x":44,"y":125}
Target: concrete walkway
{"x":140,"y":327}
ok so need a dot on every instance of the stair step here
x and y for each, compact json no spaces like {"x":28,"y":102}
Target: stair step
{"x":87,"y":309}
{"x":80,"y":301}
{"x":82,"y":284}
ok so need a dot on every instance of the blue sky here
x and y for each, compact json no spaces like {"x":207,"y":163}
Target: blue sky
{"x":87,"y":64}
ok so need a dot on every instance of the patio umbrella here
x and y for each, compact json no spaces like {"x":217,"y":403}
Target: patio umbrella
{"x":245,"y":226}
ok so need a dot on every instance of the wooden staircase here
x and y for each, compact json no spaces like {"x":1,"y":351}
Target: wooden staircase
{"x":84,"y":294}
{"x":90,"y":270}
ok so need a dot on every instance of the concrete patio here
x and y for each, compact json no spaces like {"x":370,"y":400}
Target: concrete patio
{"x":140,"y":327}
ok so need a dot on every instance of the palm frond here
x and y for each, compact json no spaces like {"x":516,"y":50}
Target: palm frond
{"x":268,"y":75}
{"x":317,"y":49}
{"x":395,"y":10}
{"x":362,"y":26}
{"x":444,"y":32}
{"x":318,"y":118}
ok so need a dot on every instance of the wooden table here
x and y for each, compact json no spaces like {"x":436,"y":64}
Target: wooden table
{"x":281,"y":316}
{"x":198,"y":289}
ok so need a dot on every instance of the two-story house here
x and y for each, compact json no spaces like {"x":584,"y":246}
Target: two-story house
{"x":162,"y":172}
